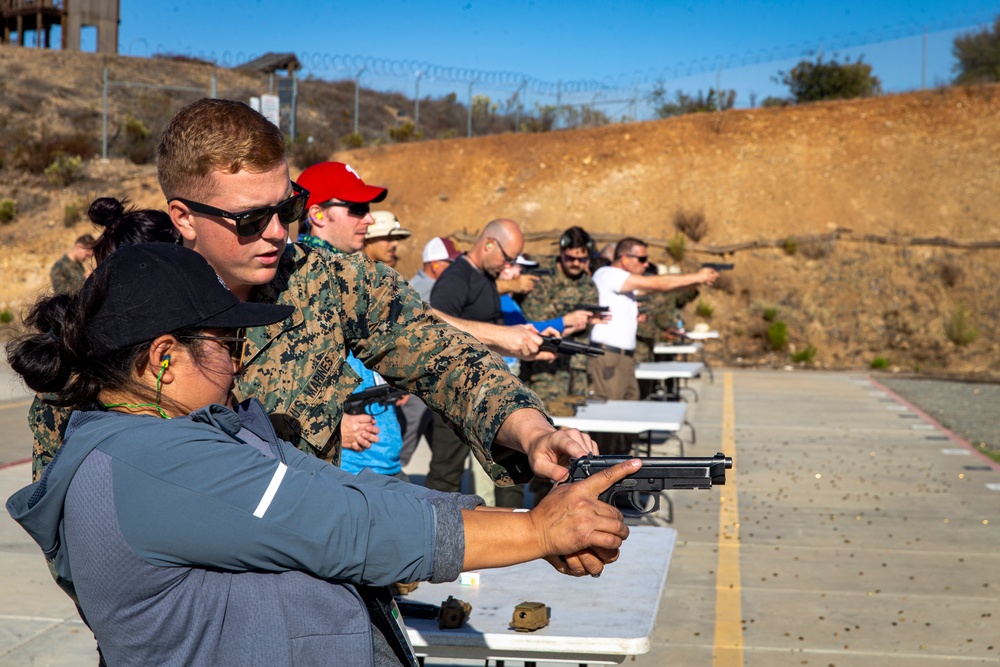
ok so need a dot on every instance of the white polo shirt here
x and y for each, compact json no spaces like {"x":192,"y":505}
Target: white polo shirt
{"x":621,"y":330}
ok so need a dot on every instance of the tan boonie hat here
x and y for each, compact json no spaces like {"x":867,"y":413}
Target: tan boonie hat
{"x":386,"y":224}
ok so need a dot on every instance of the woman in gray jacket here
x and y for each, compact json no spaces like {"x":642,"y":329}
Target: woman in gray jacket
{"x":192,"y":535}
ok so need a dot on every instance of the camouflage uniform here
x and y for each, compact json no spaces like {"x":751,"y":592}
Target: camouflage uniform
{"x":661,"y":314}
{"x":67,"y":276}
{"x":554,"y":296}
{"x":297,"y":367}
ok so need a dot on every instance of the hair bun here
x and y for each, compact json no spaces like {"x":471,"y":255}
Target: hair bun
{"x":106,"y":212}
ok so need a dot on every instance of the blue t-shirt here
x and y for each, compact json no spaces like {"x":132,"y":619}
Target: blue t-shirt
{"x":383,"y":456}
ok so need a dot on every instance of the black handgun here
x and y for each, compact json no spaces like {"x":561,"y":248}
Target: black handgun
{"x":536,"y":271}
{"x":718,"y":266}
{"x":597,"y":310}
{"x":564,"y":346}
{"x":381,"y":394}
{"x":658,"y":473}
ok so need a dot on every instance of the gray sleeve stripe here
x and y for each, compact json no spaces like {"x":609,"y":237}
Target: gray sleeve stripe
{"x":272,"y":489}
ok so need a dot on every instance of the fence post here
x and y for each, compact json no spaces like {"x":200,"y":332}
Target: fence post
{"x":416,"y":102}
{"x":468,"y":128}
{"x":357,"y":98}
{"x":213,"y":91}
{"x":104,"y":124}
{"x":295,"y":106}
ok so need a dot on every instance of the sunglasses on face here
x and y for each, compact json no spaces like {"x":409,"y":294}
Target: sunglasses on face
{"x":643,"y":259}
{"x":506,"y":258}
{"x":579,"y":260}
{"x":353,"y":209}
{"x":235,"y":344}
{"x":253,"y":221}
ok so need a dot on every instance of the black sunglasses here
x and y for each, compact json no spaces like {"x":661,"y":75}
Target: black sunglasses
{"x":642,"y":258}
{"x":254,"y":220}
{"x":506,"y":258}
{"x":354,"y":209}
{"x":579,"y":260}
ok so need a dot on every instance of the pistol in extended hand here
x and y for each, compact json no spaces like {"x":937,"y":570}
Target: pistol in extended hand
{"x":381,"y":394}
{"x":564,"y":346}
{"x":536,"y":271}
{"x":595,"y":309}
{"x":718,"y":266}
{"x":658,"y":473}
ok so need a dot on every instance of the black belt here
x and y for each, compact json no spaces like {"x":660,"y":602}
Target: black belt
{"x":616,"y":350}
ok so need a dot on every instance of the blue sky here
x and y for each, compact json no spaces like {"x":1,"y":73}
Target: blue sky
{"x":689,"y":45}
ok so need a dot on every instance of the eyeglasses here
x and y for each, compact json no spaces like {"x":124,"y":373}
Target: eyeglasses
{"x":506,"y":258}
{"x":253,"y":221}
{"x":235,"y":344}
{"x":643,"y":259}
{"x":579,"y":260}
{"x":353,"y":209}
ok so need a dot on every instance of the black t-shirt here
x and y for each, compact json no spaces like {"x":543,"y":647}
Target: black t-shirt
{"x":465,"y":291}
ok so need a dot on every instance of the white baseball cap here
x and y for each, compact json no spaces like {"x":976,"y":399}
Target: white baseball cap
{"x":440,"y":249}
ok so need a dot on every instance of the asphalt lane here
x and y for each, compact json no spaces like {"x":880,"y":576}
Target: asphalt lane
{"x":864,"y":536}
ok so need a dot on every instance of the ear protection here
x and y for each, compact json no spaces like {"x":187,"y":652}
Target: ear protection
{"x":319,"y":216}
{"x":165,"y":362}
{"x":566,"y":240}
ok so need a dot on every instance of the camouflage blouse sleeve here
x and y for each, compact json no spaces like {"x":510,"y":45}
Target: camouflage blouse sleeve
{"x":392,"y":331}
{"x":48,"y":424}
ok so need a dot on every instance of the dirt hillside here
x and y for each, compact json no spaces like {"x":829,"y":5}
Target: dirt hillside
{"x":902,"y":166}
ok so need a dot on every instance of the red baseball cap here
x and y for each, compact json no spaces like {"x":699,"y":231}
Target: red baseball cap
{"x":336,"y":180}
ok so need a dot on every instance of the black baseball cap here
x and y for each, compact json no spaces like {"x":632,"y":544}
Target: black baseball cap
{"x":153,"y":289}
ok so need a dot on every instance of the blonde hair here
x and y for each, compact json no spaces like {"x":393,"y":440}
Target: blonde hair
{"x":214,"y":135}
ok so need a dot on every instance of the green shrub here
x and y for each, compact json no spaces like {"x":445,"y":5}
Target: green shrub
{"x":71,"y":214}
{"x":676,"y":247}
{"x":770,"y":314}
{"x":405,"y":132}
{"x":6,"y":317}
{"x":777,"y":335}
{"x":692,"y":224}
{"x":704,"y":309}
{"x":880,"y":363}
{"x":959,"y":328}
{"x":8,"y":210}
{"x":352,"y":140}
{"x":805,"y":356}
{"x":64,"y":169}
{"x":139,"y":145}
{"x":789,"y":245}
{"x":37,"y":155}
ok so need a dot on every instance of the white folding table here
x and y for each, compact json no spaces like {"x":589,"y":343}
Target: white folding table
{"x":669,"y":373}
{"x":632,"y":417}
{"x":592,"y":621}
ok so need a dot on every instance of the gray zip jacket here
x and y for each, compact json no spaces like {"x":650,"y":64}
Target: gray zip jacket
{"x":208,"y":541}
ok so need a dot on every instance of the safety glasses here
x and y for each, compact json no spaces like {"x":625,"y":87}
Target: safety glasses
{"x":254,"y":220}
{"x":506,"y":258}
{"x":235,"y":344}
{"x":353,"y":209}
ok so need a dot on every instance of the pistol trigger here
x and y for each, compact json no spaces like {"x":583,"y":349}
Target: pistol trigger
{"x":634,"y":498}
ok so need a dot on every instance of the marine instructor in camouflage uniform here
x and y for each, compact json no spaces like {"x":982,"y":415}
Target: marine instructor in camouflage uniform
{"x":554,"y":296}
{"x":223,"y":170}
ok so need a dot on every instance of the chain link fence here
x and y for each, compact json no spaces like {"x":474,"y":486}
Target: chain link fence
{"x":57,"y":102}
